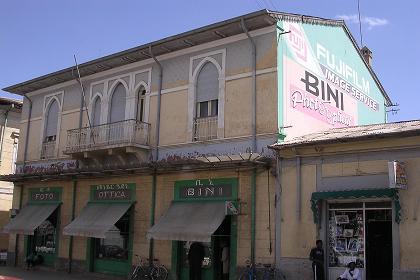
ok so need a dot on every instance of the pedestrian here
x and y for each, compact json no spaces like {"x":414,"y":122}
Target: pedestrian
{"x":351,"y":273}
{"x":317,"y":258}
{"x":195,"y":260}
{"x":225,"y":260}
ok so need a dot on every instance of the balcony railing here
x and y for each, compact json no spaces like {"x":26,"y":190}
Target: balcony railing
{"x":205,"y":129}
{"x":48,"y":150}
{"x":111,"y":135}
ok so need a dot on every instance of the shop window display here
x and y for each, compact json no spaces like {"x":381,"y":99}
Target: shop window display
{"x":115,"y":245}
{"x":346,"y":238}
{"x":45,"y":236}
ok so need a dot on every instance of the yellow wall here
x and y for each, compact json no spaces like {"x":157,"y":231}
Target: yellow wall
{"x":164,"y":197}
{"x":299,"y":236}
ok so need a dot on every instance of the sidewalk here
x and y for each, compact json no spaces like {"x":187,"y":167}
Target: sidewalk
{"x":6,"y":273}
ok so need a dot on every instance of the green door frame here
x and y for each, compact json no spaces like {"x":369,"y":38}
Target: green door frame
{"x":113,"y":267}
{"x":49,"y":259}
{"x":176,"y":256}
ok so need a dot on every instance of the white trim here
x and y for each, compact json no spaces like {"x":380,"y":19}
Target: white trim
{"x":53,"y":96}
{"x":249,"y":74}
{"x":110,"y":93}
{"x":90,"y":106}
{"x":220,"y":140}
{"x":171,"y":90}
{"x":216,"y":43}
{"x":193,"y":74}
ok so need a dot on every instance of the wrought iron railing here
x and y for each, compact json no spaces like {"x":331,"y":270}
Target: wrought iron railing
{"x":205,"y":129}
{"x":48,"y":150}
{"x":122,"y":133}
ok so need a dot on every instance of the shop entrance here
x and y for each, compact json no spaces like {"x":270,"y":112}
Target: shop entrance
{"x":360,"y":232}
{"x":44,"y":241}
{"x":379,"y":244}
{"x":111,"y":254}
{"x":216,"y":254}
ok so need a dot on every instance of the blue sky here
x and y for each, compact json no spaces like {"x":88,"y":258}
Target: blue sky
{"x":39,"y":37}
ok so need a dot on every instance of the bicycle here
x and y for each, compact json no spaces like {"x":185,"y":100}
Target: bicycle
{"x":261,"y":271}
{"x":145,"y":271}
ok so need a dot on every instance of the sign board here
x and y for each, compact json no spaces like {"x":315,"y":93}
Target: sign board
{"x":113,"y":192}
{"x":325,"y":82}
{"x":397,"y":175}
{"x":206,"y":189}
{"x":47,"y":194}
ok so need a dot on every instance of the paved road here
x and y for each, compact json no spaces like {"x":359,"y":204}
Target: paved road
{"x":13,"y":273}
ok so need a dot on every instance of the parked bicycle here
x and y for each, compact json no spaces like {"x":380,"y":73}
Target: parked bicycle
{"x":146,"y":271}
{"x":261,"y":272}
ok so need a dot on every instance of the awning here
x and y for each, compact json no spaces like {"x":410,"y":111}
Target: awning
{"x":96,"y":219}
{"x":189,"y":221}
{"x":29,"y":218}
{"x":359,"y":194}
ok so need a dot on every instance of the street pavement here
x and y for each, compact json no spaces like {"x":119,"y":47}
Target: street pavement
{"x":16,"y":273}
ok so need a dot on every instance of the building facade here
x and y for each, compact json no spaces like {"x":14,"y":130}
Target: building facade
{"x":355,"y":189}
{"x":10,"y":111}
{"x":132,"y":158}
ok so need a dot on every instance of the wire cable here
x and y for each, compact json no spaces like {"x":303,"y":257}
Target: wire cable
{"x":360,"y":23}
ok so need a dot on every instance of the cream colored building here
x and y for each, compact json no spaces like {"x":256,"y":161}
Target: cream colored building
{"x":337,"y":186}
{"x":112,"y":165}
{"x":10,"y":112}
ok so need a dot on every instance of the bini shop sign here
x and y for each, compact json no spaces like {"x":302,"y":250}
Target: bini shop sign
{"x":205,"y":189}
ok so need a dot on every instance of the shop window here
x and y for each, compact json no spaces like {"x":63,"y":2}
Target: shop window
{"x":346,"y":238}
{"x":45,"y":236}
{"x":115,"y":245}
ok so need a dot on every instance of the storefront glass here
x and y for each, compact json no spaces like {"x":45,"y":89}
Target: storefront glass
{"x":45,"y":236}
{"x":115,"y":245}
{"x":360,"y":232}
{"x":346,"y":238}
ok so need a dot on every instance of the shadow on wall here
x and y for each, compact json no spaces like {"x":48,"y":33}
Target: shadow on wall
{"x":4,"y":237}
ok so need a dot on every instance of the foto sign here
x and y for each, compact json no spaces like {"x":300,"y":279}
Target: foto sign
{"x":397,"y":175}
{"x":45,"y":194}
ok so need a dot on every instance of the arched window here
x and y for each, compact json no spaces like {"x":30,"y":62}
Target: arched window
{"x":96,"y":111}
{"x":207,"y":91}
{"x":141,"y":104}
{"x":51,"y":125}
{"x":118,"y":104}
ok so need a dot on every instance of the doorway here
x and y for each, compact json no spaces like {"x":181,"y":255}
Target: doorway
{"x":379,"y":244}
{"x":44,"y":241}
{"x":213,"y":264}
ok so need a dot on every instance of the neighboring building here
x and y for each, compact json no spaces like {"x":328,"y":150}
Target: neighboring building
{"x":10,"y":112}
{"x":338,"y":185}
{"x":183,"y":119}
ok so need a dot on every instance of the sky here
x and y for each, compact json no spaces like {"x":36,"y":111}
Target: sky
{"x":40,"y":37}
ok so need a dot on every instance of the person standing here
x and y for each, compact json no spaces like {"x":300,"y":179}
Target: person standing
{"x":225,"y":261}
{"x":317,"y":258}
{"x":195,"y":260}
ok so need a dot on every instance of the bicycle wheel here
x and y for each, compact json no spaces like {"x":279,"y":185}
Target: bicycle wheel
{"x":144,"y":274}
{"x":159,"y":273}
{"x":135,"y":274}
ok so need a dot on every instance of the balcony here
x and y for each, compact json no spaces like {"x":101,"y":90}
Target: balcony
{"x":108,"y":137}
{"x":48,"y":150}
{"x":205,"y":129}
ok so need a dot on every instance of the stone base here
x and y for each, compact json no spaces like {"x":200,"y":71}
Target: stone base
{"x":296,"y":268}
{"x":77,"y":266}
{"x":406,"y":275}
